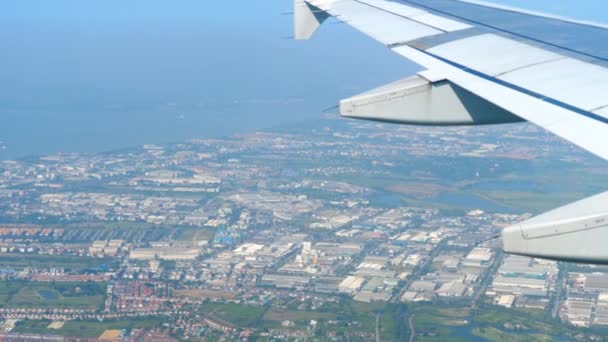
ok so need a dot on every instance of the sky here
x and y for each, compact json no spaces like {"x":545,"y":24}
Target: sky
{"x":98,"y":75}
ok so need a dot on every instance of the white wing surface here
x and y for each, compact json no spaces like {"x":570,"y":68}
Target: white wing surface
{"x":490,"y":64}
{"x":547,"y":70}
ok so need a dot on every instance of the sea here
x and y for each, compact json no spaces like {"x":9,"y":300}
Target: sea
{"x":91,"y":76}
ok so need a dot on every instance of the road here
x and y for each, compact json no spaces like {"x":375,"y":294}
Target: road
{"x":560,"y":287}
{"x":417,"y":272}
{"x":410,"y":323}
{"x":378,"y":328}
{"x":487,"y":277}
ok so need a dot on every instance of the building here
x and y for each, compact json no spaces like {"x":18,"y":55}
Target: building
{"x":142,"y":254}
{"x":164,"y":253}
{"x":351,"y":284}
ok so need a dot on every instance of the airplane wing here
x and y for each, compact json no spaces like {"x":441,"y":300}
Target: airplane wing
{"x":490,"y":64}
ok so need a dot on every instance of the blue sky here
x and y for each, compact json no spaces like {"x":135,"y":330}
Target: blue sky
{"x":94,"y":75}
{"x":146,"y":53}
{"x":116,"y":52}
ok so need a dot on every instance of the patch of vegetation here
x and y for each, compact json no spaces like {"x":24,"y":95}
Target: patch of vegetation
{"x":525,"y":200}
{"x":8,"y":289}
{"x":493,"y":334}
{"x":362,"y":318}
{"x":425,"y":316}
{"x":238,"y":315}
{"x":438,"y":334}
{"x":195,"y":234}
{"x":87,"y":328}
{"x":523,"y":320}
{"x":74,"y":295}
{"x":68,"y":263}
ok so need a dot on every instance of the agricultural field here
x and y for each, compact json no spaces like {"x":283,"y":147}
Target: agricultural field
{"x":73,"y":295}
{"x":86,"y":328}
{"x":68,"y":263}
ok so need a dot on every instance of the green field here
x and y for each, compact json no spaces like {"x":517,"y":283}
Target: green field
{"x":497,"y":335}
{"x":362,"y":317}
{"x":437,"y":323}
{"x":234,"y":314}
{"x":531,"y":201}
{"x":75,"y":295}
{"x":433,"y":322}
{"x":344,"y":319}
{"x":195,"y":234}
{"x":68,"y":263}
{"x":525,"y":319}
{"x":350,"y":317}
{"x":87,"y":329}
{"x":432,"y":316}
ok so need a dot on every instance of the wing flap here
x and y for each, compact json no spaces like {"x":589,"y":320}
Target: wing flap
{"x":419,"y":101}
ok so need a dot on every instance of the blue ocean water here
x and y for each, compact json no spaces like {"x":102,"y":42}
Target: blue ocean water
{"x":94,"y":76}
{"x":99,"y":75}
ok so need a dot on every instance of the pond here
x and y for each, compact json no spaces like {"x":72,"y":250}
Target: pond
{"x":48,"y":294}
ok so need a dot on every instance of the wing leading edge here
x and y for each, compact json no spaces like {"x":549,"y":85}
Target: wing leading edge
{"x":480,"y":71}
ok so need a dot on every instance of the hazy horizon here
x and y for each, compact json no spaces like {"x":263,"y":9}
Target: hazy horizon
{"x":98,"y":76}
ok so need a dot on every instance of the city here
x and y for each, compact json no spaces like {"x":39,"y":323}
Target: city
{"x":332,"y":230}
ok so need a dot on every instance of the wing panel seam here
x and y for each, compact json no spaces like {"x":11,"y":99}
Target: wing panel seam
{"x":504,"y":73}
{"x":599,"y":108}
{"x":520,"y":89}
{"x":540,"y":41}
{"x":399,"y":15}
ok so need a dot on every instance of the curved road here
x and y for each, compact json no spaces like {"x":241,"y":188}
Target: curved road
{"x":410,"y":323}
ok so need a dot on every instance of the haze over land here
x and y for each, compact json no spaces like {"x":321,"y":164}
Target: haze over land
{"x":348,"y":229}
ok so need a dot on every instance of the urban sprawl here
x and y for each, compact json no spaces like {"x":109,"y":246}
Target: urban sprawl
{"x":271,"y":235}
